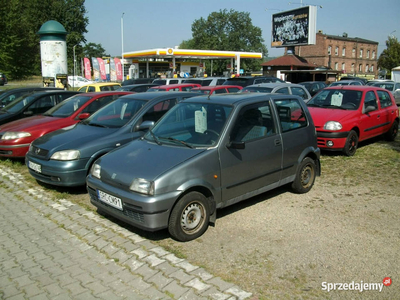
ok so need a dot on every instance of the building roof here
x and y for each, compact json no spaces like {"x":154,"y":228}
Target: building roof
{"x":349,"y":39}
{"x":289,"y":60}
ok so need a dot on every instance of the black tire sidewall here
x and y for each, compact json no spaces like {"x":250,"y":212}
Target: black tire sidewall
{"x":174,"y":226}
{"x":297,"y":186}
{"x":346,"y":149}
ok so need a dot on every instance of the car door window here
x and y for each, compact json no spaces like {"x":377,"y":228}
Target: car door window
{"x":291,"y":114}
{"x":233,"y":90}
{"x":384,"y":99}
{"x":91,"y":89}
{"x":299,"y":92}
{"x":98,"y":103}
{"x":370,"y":100}
{"x":283,"y":91}
{"x":158,"y":110}
{"x":254,"y":122}
{"x":220,"y":91}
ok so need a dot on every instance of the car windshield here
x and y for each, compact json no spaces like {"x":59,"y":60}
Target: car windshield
{"x":338,"y":83}
{"x":116,"y":114}
{"x":337,"y":98}
{"x":191,"y":125}
{"x":385,"y":85}
{"x":206,"y":92}
{"x":156,"y":90}
{"x":67,"y":107}
{"x":160,"y":81}
{"x":19,"y":103}
{"x":256,"y":89}
{"x":124,"y":88}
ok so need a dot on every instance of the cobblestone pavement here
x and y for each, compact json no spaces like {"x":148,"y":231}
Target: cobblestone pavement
{"x":54,"y":249}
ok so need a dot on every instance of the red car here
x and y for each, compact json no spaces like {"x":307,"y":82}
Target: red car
{"x":346,"y":115}
{"x":16,"y":136}
{"x":174,"y":87}
{"x":217,"y":89}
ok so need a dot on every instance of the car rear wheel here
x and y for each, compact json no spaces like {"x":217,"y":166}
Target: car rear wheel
{"x":351,"y":145}
{"x":305,"y":176}
{"x":190,"y":217}
{"x":392,"y":133}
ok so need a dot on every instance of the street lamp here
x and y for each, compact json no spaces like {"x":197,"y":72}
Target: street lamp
{"x":122,"y":46}
{"x":73,"y":82}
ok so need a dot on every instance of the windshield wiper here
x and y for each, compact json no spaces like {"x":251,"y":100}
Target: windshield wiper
{"x":179,"y":141}
{"x":97,"y":125}
{"x":154,"y":137}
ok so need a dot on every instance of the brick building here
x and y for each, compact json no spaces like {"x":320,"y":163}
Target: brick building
{"x":351,"y":56}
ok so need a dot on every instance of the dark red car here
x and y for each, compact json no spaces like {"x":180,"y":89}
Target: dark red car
{"x":217,"y":89}
{"x":16,"y":136}
{"x":346,"y":115}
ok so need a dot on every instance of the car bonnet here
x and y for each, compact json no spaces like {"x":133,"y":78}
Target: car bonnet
{"x":322,"y":115}
{"x":142,"y":159}
{"x":27,"y":123}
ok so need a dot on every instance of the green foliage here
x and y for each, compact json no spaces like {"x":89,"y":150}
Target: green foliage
{"x":390,"y":57}
{"x":227,"y":31}
{"x":93,"y":50}
{"x":20,"y":22}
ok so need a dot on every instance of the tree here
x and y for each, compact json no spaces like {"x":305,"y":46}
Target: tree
{"x":390,"y":57}
{"x":20,"y":22}
{"x":227,"y":31}
{"x":93,"y":50}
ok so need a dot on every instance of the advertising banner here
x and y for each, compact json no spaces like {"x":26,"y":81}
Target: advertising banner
{"x":118,"y":68}
{"x":294,"y":27}
{"x":103,"y":74}
{"x":113,"y":72}
{"x":96,"y":69}
{"x":88,"y":74}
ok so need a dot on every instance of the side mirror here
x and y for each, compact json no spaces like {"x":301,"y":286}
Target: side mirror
{"x":236,"y":145}
{"x":369,"y":108}
{"x":83,"y":116}
{"x":145,"y":125}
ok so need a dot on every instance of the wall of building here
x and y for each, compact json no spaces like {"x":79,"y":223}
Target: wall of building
{"x":353,"y":56}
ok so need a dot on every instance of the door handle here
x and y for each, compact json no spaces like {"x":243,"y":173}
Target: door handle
{"x":278,"y":142}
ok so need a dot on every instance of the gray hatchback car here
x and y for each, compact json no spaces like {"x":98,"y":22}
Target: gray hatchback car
{"x":206,"y":153}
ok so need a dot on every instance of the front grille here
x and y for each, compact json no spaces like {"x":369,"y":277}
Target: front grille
{"x":39,"y":152}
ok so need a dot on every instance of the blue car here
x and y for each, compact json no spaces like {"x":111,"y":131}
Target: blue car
{"x":65,"y":156}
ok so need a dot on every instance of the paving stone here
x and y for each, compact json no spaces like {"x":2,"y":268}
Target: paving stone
{"x":175,"y":289}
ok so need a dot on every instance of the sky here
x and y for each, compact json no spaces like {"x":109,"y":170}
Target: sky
{"x":150,"y":24}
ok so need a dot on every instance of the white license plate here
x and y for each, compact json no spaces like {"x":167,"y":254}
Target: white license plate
{"x":109,"y":199}
{"x":35,"y":167}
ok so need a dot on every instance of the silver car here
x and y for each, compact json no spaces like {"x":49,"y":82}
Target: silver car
{"x":206,"y":153}
{"x":279,"y":88}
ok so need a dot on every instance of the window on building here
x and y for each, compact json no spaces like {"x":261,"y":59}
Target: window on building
{"x":367,"y":53}
{"x":344,"y":52}
{"x":329,"y":50}
{"x":336,"y":66}
{"x":360,"y":68}
{"x":353,"y":54}
{"x":343,"y":66}
{"x":361,"y":52}
{"x":366,"y":68}
{"x":372,"y":68}
{"x":337,"y":50}
{"x":373,"y":54}
{"x":352,"y":68}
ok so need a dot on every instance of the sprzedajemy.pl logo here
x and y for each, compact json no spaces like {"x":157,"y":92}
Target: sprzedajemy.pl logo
{"x":356,"y":286}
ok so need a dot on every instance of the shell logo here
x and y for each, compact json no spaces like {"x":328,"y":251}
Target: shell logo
{"x":170,"y":51}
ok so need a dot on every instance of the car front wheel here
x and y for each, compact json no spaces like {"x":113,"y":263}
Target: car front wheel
{"x":190,"y":217}
{"x":351,"y":145}
{"x":305,"y":176}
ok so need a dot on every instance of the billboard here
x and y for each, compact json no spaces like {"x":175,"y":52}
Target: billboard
{"x":294,"y":27}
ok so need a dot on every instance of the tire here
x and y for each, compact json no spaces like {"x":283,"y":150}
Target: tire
{"x":351,"y":145}
{"x":190,"y":217}
{"x":392,"y":133}
{"x":305,"y":177}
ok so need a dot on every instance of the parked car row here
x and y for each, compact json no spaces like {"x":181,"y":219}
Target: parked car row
{"x":171,"y":159}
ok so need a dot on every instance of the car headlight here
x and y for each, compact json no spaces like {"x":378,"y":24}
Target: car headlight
{"x":14,"y":135}
{"x":96,"y":170}
{"x":66,"y":155}
{"x":142,"y":186}
{"x":332,"y":125}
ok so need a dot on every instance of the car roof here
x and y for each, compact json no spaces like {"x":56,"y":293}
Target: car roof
{"x":215,"y":87}
{"x":354,"y":88}
{"x":41,"y":93}
{"x":152,"y":95}
{"x":105,"y":93}
{"x":237,"y":98}
{"x":102,"y":84}
{"x":171,"y":86}
{"x":274,"y":84}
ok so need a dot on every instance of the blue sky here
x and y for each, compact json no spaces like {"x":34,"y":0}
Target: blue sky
{"x":149,"y":24}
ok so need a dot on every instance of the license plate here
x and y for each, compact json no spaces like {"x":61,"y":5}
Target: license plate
{"x":109,"y":199}
{"x":35,"y":167}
